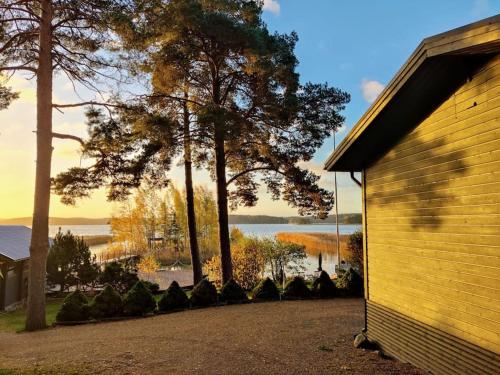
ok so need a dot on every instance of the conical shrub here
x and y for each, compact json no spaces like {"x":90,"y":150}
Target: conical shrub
{"x":296,"y":289}
{"x":350,"y":284}
{"x":75,"y":308}
{"x":232,"y":292}
{"x":107,"y":304}
{"x":266,"y":290}
{"x":324,"y":287}
{"x":153,"y":287}
{"x":204,"y":294}
{"x":139,"y":300}
{"x":174,"y":298}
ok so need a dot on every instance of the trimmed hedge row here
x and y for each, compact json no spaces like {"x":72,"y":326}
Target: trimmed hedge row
{"x":139,"y":300}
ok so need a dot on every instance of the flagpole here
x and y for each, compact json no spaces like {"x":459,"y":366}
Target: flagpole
{"x":336,"y":212}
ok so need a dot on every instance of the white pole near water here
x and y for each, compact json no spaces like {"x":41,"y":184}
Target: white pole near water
{"x":336,"y":211}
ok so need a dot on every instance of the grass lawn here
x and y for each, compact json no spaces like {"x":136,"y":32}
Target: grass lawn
{"x":14,"y":321}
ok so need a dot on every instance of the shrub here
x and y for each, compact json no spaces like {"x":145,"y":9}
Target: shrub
{"x":139,"y":300}
{"x":174,"y":298}
{"x":153,"y":287}
{"x":107,"y":304}
{"x":148,"y":265}
{"x":247,"y":261}
{"x":266,"y":290}
{"x":232,"y":292}
{"x":324,"y":287}
{"x":296,"y":288}
{"x":204,"y":294}
{"x":355,"y":249}
{"x":70,"y":262}
{"x":282,"y":257}
{"x":350,"y":283}
{"x":121,"y":276}
{"x":75,"y":308}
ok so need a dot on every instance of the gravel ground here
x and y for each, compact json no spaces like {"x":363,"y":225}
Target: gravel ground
{"x":297,"y":337}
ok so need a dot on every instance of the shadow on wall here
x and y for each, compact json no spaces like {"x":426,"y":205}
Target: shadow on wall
{"x":412,"y":182}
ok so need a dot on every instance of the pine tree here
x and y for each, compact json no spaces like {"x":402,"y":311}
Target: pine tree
{"x":70,"y":262}
{"x":254,"y":122}
{"x":41,"y":38}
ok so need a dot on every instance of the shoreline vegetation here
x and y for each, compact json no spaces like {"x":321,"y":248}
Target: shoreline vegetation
{"x":351,"y":218}
{"x":316,"y":243}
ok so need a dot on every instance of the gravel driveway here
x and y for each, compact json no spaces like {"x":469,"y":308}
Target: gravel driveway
{"x":299,"y":337}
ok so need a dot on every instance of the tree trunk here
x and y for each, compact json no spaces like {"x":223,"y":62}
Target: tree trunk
{"x":223,"y":218}
{"x":39,"y":246}
{"x":191,"y":217}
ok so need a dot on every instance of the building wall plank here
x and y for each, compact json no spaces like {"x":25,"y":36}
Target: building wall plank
{"x":433,"y":226}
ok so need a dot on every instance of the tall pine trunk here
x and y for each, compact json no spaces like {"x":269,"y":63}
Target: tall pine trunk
{"x":221,"y":183}
{"x":222,"y":210}
{"x":191,"y":217}
{"x":39,"y":246}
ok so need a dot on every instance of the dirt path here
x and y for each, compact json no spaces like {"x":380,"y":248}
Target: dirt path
{"x":302,"y":337}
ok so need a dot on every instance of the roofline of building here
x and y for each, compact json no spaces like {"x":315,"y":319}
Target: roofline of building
{"x":462,"y":40}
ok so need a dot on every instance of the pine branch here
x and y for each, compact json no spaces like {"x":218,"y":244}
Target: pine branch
{"x":238,"y":175}
{"x":18,"y":67}
{"x":83,"y":104}
{"x":68,"y":136}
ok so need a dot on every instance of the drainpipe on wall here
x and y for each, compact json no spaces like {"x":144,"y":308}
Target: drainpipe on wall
{"x":355,"y":179}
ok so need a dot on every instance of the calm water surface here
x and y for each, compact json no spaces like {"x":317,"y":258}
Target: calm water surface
{"x":250,"y":229}
{"x":266,"y":230}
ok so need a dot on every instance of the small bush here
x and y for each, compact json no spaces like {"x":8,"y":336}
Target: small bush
{"x":153,"y":287}
{"x":173,"y":299}
{"x":75,"y":308}
{"x":266,"y":290}
{"x":324,"y":287}
{"x":121,"y":276}
{"x":204,"y":294}
{"x":139,"y":300}
{"x":296,"y":289}
{"x":232,"y":292}
{"x":350,"y":283}
{"x":107,"y":304}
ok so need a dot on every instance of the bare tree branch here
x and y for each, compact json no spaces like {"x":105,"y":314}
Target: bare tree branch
{"x":83,"y":104}
{"x":68,"y":136}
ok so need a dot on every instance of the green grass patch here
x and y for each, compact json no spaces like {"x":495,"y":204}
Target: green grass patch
{"x":325,"y":348}
{"x":8,"y":372}
{"x":14,"y":321}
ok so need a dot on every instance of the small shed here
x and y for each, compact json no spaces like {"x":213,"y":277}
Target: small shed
{"x":14,"y":264}
{"x":429,"y":152}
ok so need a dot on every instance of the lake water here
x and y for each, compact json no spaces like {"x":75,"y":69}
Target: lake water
{"x":266,"y":230}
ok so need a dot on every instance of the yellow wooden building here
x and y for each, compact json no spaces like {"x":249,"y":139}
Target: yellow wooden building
{"x":429,"y":152}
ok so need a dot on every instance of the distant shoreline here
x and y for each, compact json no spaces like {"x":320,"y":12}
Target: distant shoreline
{"x":353,"y":218}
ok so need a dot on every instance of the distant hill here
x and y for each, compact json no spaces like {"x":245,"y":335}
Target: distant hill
{"x":57,"y":221}
{"x":233,"y":219}
{"x":343,"y":219}
{"x":257,"y":219}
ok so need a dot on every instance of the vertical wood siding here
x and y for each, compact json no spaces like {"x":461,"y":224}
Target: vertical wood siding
{"x":433,"y":218}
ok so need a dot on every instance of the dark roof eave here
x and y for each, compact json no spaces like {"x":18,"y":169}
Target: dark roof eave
{"x":481,"y":37}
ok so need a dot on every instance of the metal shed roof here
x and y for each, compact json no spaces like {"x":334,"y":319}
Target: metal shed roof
{"x":15,"y":242}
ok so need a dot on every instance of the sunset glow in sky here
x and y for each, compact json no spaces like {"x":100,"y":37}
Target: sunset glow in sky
{"x":357,"y":46}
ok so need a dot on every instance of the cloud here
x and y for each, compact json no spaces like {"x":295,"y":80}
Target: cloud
{"x":272,"y":6}
{"x":371,"y":89}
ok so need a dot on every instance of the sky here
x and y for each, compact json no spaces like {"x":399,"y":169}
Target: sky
{"x":356,"y":46}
